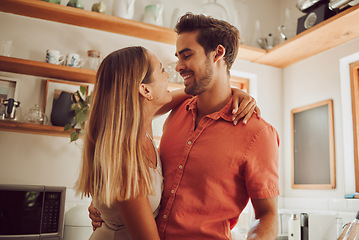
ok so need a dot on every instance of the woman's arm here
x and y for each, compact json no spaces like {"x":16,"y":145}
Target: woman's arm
{"x":243,"y":106}
{"x":178,"y":96}
{"x":138,"y":218}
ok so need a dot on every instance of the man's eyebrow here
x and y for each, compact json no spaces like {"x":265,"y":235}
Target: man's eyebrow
{"x":182,"y":51}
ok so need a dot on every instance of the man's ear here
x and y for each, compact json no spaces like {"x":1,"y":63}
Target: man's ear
{"x":220,"y":51}
{"x":144,"y":90}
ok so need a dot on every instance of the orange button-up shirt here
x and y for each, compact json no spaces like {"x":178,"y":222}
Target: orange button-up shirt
{"x":211,"y":172}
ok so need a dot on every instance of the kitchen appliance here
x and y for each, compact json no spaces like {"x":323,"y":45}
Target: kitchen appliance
{"x":312,"y":226}
{"x":342,"y":4}
{"x":31,"y":212}
{"x":307,"y":5}
{"x":77,"y":223}
{"x":314,"y":16}
{"x":10,"y":109}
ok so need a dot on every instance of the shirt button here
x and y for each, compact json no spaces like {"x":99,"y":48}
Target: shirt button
{"x":172,"y":191}
{"x":180,"y":166}
{"x":189,"y":142}
{"x":165,"y":216}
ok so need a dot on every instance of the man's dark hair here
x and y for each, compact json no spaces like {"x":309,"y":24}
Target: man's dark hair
{"x":212,"y":32}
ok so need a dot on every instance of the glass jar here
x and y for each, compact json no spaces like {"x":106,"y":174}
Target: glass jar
{"x":93,"y":59}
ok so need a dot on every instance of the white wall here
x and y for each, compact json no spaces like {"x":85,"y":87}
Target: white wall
{"x":310,"y":81}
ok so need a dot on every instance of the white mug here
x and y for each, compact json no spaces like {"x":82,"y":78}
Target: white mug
{"x":74,"y":60}
{"x":54,"y":57}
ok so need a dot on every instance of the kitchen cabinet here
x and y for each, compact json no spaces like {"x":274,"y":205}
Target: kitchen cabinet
{"x":337,"y":30}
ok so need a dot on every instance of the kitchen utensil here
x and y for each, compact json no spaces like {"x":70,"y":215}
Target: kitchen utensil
{"x":36,"y":116}
{"x":306,"y":5}
{"x":281,"y":30}
{"x":11,"y":106}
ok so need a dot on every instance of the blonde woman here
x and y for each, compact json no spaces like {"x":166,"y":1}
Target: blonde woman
{"x":121,"y":169}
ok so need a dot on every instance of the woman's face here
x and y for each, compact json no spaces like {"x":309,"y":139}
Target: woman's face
{"x":159,"y":82}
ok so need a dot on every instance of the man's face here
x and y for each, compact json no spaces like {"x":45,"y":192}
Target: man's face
{"x":193,"y":64}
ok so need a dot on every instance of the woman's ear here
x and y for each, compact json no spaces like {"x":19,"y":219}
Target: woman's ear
{"x":145,"y":91}
{"x":219,"y":52}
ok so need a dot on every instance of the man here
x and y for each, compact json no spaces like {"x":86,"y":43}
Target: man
{"x":211,"y":167}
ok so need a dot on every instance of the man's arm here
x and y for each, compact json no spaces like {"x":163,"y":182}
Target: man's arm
{"x":266,"y":224}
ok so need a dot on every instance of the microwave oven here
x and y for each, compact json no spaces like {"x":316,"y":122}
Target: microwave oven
{"x":30,"y":212}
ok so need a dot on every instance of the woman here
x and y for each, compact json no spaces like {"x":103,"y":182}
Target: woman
{"x":121,"y":169}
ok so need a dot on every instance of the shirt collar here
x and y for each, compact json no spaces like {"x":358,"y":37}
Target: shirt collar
{"x":225,"y":112}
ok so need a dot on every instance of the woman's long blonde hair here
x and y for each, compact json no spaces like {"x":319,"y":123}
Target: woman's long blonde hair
{"x":113,"y":164}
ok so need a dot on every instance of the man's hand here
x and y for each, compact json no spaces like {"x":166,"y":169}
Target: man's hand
{"x":95,"y":216}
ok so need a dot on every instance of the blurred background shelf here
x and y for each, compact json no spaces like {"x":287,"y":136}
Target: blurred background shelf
{"x":336,"y":30}
{"x":42,"y":69}
{"x":14,"y":126}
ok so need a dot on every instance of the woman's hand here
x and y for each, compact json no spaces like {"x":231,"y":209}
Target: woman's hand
{"x":95,"y":216}
{"x":243,"y":106}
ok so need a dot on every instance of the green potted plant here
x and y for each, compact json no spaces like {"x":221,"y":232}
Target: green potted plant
{"x":81,"y":107}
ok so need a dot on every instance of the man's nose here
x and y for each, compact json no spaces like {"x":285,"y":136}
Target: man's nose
{"x":179,"y":66}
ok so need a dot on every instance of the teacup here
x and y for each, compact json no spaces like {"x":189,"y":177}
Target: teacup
{"x":54,"y":57}
{"x":74,"y":60}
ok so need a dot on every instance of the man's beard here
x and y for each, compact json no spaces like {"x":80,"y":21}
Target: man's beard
{"x":200,"y":85}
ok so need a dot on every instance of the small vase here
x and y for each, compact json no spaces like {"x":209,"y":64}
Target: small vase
{"x":99,"y":7}
{"x":75,"y":4}
{"x":123,"y":8}
{"x":52,"y":1}
{"x":61,"y":113}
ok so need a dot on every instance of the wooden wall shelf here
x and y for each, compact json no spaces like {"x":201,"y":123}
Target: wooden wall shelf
{"x":13,"y":126}
{"x":330,"y":33}
{"x":337,"y":30}
{"x":42,"y":69}
{"x":88,"y":19}
{"x":78,"y":17}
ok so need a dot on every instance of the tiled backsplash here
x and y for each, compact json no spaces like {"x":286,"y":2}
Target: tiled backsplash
{"x":322,"y":204}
